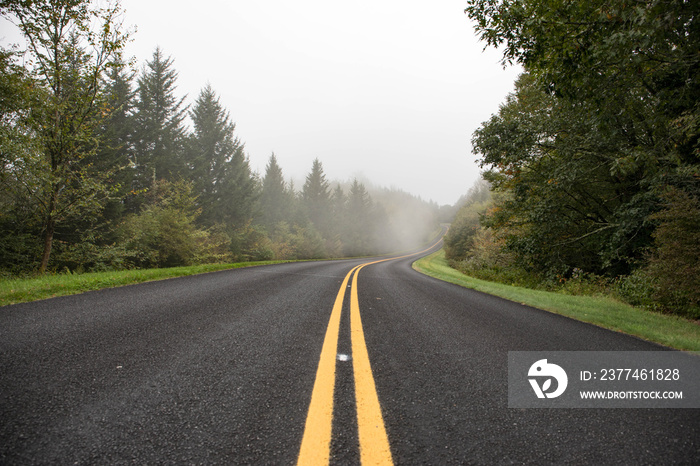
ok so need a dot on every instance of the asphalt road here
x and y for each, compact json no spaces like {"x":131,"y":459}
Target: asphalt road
{"x":219,"y":369}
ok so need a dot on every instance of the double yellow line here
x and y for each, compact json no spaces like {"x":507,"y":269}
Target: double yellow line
{"x":316,"y":443}
{"x":374,"y":443}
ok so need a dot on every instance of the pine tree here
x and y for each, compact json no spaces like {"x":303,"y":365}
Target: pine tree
{"x":338,"y":204}
{"x":213,"y":150}
{"x":275,"y":200}
{"x":116,"y":152}
{"x":117,"y":130}
{"x":358,"y":231}
{"x":159,"y":132}
{"x":315,"y":197}
{"x":239,"y":192}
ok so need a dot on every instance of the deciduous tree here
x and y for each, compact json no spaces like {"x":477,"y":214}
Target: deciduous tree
{"x":70,"y":45}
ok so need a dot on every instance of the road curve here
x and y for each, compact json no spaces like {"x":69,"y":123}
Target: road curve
{"x":219,"y":369}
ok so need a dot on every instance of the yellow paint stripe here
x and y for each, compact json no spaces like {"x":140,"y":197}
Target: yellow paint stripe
{"x":316,"y":443}
{"x":374,"y":443}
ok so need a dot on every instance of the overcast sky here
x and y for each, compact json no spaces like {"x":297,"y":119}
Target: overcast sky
{"x":387,"y":90}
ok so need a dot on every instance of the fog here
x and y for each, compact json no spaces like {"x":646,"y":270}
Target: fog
{"x":385,"y":94}
{"x":390,"y":91}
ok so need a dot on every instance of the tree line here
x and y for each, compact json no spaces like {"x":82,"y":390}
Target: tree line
{"x":104,"y":167}
{"x":594,"y":160}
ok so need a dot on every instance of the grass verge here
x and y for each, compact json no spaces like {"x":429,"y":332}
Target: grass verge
{"x":32,"y":289}
{"x":667,"y":330}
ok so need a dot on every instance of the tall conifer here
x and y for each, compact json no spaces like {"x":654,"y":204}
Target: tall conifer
{"x":159,"y":116}
{"x":316,"y":197}
{"x":274,"y":199}
{"x":214,"y":156}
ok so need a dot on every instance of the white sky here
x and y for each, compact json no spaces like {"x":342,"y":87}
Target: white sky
{"x":389,"y":90}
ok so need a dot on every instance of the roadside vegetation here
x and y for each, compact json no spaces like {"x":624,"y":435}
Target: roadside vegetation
{"x":20,"y":290}
{"x":590,"y":202}
{"x":104,"y":166}
{"x":592,"y":164}
{"x":603,"y":311}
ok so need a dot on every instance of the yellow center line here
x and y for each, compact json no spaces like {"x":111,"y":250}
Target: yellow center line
{"x":316,"y":444}
{"x":374,"y":442}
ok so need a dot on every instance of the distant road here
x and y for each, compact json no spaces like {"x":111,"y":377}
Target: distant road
{"x":220,"y":369}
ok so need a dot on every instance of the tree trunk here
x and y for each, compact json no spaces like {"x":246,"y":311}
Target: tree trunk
{"x":49,"y":228}
{"x":48,"y":241}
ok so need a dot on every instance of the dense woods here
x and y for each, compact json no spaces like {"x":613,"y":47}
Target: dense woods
{"x":591,"y":166}
{"x":594,"y":159}
{"x":105,"y":166}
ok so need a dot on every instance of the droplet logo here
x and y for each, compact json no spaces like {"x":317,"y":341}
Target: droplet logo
{"x":545,"y":372}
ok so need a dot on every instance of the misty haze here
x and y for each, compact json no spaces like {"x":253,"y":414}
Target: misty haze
{"x":376,"y":232}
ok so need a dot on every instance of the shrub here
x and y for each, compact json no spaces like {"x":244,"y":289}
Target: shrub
{"x":163,"y":234}
{"x":675,"y":263}
{"x":250,"y":243}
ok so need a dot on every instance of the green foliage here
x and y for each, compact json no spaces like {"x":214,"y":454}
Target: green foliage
{"x":223,"y":181}
{"x":70,"y":45}
{"x":163,"y":234}
{"x":307,"y":243}
{"x":275,"y":199}
{"x":637,"y":288}
{"x":459,"y":240}
{"x":114,"y":155}
{"x":18,"y":93}
{"x":100,"y":172}
{"x":607,"y":312}
{"x":86,"y":256}
{"x":675,"y":263}
{"x":605,"y":119}
{"x":569,"y":204}
{"x":358,"y":234}
{"x":159,"y":133}
{"x":250,"y":243}
{"x":315,"y":197}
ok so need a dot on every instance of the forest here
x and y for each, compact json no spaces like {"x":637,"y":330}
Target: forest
{"x":105,"y":167}
{"x":592,"y":164}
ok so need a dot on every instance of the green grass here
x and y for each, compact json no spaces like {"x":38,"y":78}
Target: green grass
{"x":667,"y":330}
{"x":31,"y":289}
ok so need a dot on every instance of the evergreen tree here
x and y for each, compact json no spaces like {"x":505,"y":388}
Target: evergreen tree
{"x":212,"y":149}
{"x":117,"y":130}
{"x":239,"y":192}
{"x":159,"y":132}
{"x":315,"y":197}
{"x":116,"y":152}
{"x":338,"y":204}
{"x":275,"y":201}
{"x":358,"y":231}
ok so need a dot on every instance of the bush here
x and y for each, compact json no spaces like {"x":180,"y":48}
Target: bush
{"x":459,"y":240}
{"x":674,"y":266}
{"x":213,"y":246}
{"x":637,"y":289}
{"x":87,"y":256}
{"x":19,"y":252}
{"x":250,"y":243}
{"x":163,"y":234}
{"x":159,"y":237}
